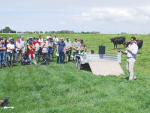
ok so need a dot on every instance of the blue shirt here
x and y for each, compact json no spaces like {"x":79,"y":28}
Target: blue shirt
{"x":50,"y":48}
{"x":61,"y":46}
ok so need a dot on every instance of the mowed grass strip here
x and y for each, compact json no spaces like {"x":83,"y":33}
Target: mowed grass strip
{"x":64,"y":88}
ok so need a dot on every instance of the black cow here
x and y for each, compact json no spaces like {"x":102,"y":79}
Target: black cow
{"x":118,"y":40}
{"x":139,"y":44}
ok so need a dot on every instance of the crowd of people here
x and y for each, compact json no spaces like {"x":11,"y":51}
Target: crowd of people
{"x":31,"y":50}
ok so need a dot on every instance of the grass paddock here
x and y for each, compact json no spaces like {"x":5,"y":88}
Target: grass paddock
{"x":64,"y":88}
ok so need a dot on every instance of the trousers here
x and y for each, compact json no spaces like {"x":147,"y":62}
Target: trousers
{"x":130,"y":68}
{"x":61,"y":54}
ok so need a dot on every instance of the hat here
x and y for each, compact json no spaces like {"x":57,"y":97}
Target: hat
{"x":67,"y":38}
{"x":81,"y":39}
{"x":75,"y":38}
{"x":54,"y":35}
{"x":17,"y":36}
{"x":30,"y":37}
{"x":37,"y":38}
{"x":11,"y":40}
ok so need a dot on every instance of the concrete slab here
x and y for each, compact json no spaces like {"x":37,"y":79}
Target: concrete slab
{"x":106,"y":68}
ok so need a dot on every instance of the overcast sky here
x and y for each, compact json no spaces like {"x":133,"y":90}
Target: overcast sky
{"x":105,"y":16}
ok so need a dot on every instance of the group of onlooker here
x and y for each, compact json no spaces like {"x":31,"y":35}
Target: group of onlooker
{"x":37,"y":47}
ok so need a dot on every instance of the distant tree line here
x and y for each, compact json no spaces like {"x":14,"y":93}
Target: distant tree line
{"x":8,"y":30}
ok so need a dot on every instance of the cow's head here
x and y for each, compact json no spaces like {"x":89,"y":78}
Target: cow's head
{"x":127,"y":43}
{"x":112,"y":39}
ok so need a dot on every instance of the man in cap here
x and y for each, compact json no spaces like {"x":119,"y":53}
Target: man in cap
{"x":76,"y":47}
{"x":68,"y":48}
{"x":92,"y":52}
{"x":50,"y":48}
{"x":10,"y":49}
{"x":61,"y":47}
{"x":55,"y":39}
{"x":131,"y":52}
{"x":83,"y":45}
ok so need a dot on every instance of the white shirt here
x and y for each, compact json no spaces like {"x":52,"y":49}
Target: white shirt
{"x":18,"y":45}
{"x":11,"y":46}
{"x":22,"y":43}
{"x":134,"y":49}
{"x":41,"y":40}
{"x":37,"y":46}
{"x":55,"y":39}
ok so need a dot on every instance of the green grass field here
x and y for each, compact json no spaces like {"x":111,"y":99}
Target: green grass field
{"x":64,"y":88}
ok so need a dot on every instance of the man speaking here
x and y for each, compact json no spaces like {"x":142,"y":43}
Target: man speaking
{"x":131,"y":52}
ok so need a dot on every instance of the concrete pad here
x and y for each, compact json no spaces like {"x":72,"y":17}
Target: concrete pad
{"x":106,"y":68}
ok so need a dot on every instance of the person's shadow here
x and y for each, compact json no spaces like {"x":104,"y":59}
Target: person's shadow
{"x":127,"y":78}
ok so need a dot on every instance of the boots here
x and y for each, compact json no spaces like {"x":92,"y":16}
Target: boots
{"x":10,"y":63}
{"x":7,"y":63}
{"x":38,"y":60}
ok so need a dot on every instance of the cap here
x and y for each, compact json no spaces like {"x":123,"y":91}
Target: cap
{"x":75,"y":38}
{"x":81,"y":39}
{"x":37,"y":38}
{"x":11,"y":40}
{"x":92,"y":51}
{"x":30,"y":37}
{"x":54,"y":35}
{"x":67,"y":38}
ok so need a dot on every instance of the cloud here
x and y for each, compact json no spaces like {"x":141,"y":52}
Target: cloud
{"x":61,"y":22}
{"x":137,"y":15}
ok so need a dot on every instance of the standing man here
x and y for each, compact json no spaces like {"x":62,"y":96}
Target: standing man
{"x":37,"y":45}
{"x":31,"y":50}
{"x":2,"y":48}
{"x":23,"y":43}
{"x":76,"y":47}
{"x":10,"y":49}
{"x":44,"y":47}
{"x":50,"y":48}
{"x":61,"y":47}
{"x":68,"y":48}
{"x":83,"y":46}
{"x":18,"y":49}
{"x":55,"y":39}
{"x":41,"y":41}
{"x":131,"y":52}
